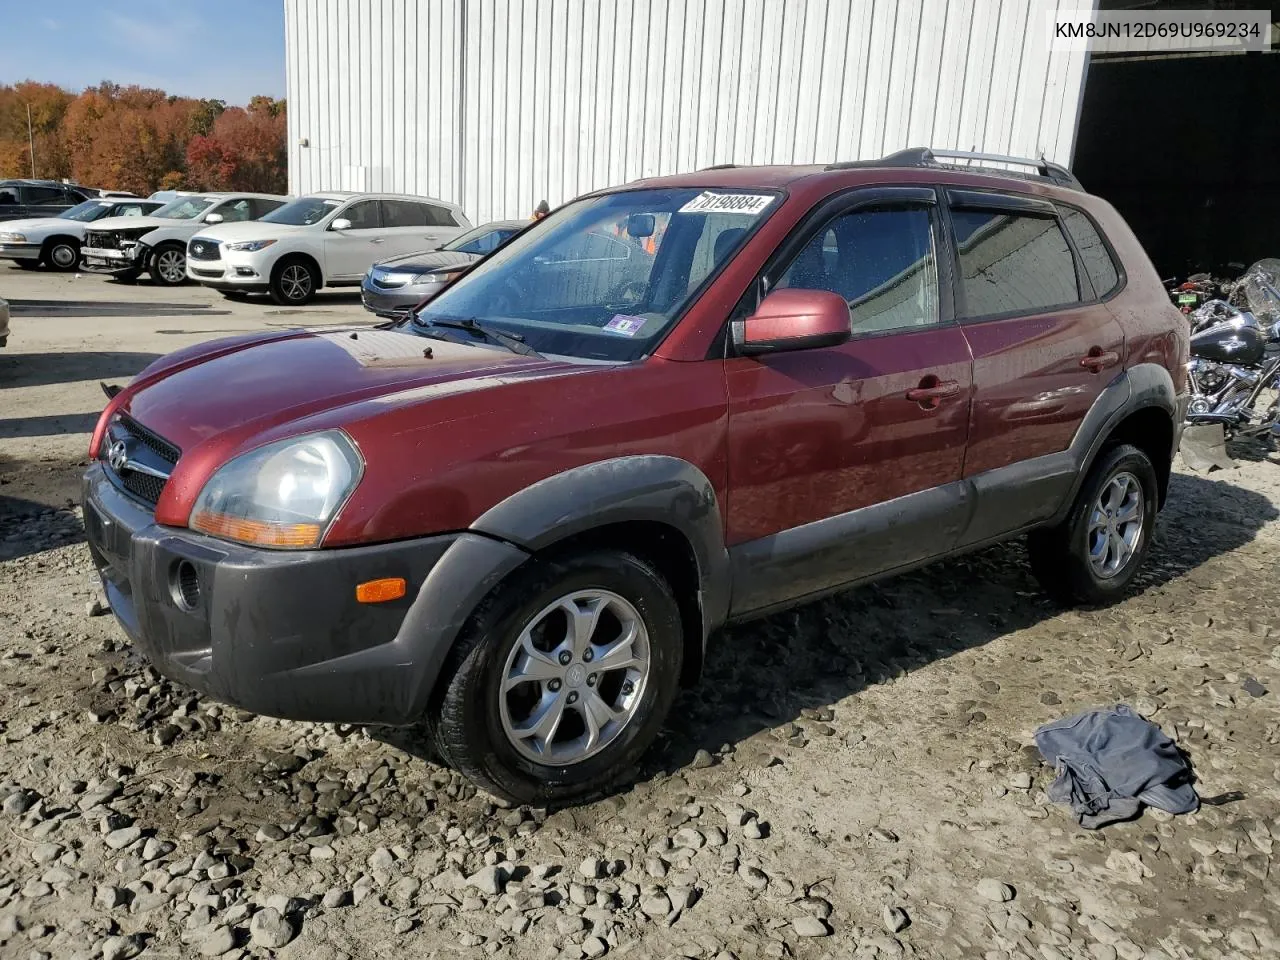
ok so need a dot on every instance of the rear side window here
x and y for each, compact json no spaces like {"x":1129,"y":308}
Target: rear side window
{"x":403,"y":213}
{"x":44,"y":194}
{"x":261,"y":206}
{"x":1093,"y":251}
{"x":1013,"y":262}
{"x":439,"y":216}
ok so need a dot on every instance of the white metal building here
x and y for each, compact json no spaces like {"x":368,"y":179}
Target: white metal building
{"x":497,"y":104}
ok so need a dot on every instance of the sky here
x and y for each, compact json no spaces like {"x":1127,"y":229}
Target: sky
{"x":226,"y":49}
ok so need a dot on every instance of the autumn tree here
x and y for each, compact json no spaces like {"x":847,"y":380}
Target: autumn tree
{"x":48,"y":105}
{"x":245,"y":150}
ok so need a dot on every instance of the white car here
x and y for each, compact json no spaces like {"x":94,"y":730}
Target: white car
{"x":56,"y":241}
{"x":326,"y":239}
{"x":158,"y":243}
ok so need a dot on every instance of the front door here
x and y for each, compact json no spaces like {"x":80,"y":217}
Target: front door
{"x":846,"y":461}
{"x":1044,"y":349}
{"x":349,"y":253}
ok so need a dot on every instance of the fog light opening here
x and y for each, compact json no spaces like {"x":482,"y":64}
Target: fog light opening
{"x":186,"y":585}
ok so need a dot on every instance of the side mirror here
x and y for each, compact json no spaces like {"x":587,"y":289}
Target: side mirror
{"x":214,"y":218}
{"x":342,"y":223}
{"x":794,"y":320}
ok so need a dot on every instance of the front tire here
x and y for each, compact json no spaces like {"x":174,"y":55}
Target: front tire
{"x":28,"y":264}
{"x":61,"y":254}
{"x":1092,"y":556}
{"x":562,"y":678}
{"x":293,"y":282}
{"x":168,"y":265}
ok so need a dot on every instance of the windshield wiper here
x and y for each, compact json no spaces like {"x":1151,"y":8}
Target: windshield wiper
{"x":512,"y":341}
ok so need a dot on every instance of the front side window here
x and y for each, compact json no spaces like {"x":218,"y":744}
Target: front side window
{"x":1093,"y":252}
{"x":365,"y":215}
{"x":127,"y":210}
{"x":302,"y":212}
{"x":605,"y":277}
{"x":881,"y":261}
{"x":1013,"y":262}
{"x":236,"y":211}
{"x":184,"y":208}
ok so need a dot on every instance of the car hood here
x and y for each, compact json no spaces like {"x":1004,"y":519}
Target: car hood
{"x":218,"y":399}
{"x":428,"y":261}
{"x":34,"y":223}
{"x":250,"y":230}
{"x":135,"y":223}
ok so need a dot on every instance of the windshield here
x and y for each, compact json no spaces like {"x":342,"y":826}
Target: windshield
{"x":183,"y":208}
{"x":605,"y":277}
{"x":89,"y":210}
{"x":302,"y":212}
{"x":481,"y":240}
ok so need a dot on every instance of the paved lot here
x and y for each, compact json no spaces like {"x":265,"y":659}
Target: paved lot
{"x":842,"y":784}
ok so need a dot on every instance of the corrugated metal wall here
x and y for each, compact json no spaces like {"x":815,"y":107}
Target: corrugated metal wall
{"x":497,"y":104}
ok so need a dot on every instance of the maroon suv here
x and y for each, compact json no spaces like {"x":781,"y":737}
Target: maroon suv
{"x":518,"y":515}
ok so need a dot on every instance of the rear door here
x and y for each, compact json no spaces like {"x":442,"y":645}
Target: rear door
{"x":349,"y":253}
{"x":839,"y":466}
{"x":412,"y":226}
{"x":1044,"y":349}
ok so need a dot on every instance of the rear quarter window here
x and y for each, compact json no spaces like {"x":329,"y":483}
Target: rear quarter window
{"x":1095,"y":256}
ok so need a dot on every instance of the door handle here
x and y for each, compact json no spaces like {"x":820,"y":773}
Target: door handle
{"x":1098,"y":360}
{"x":932,"y":391}
{"x":378,"y":240}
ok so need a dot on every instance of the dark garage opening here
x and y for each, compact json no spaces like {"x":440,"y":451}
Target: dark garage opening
{"x":1188,"y":149}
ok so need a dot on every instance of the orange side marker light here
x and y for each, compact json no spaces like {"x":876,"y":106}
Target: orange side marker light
{"x":380,"y":591}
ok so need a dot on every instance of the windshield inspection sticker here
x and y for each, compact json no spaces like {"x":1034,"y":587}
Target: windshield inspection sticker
{"x":627,"y":326}
{"x":751,"y":204}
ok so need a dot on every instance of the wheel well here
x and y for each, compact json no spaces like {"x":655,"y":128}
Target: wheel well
{"x":669,"y":551}
{"x":49,"y":241}
{"x":1151,"y":431}
{"x":305,"y":258}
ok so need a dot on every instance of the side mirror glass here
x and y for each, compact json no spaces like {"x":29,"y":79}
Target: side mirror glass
{"x":794,"y":320}
{"x":214,"y":218}
{"x":342,"y":223}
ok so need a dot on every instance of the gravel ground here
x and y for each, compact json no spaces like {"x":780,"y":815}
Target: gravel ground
{"x":855,"y":778}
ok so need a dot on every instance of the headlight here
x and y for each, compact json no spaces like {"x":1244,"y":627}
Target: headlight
{"x":282,"y":495}
{"x":13,"y":238}
{"x":250,"y":245}
{"x":437,"y":277}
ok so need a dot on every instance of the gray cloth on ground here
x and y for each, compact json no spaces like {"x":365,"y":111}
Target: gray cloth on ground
{"x":1111,"y":762}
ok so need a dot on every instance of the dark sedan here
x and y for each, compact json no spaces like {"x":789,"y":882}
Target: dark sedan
{"x":394,"y":286}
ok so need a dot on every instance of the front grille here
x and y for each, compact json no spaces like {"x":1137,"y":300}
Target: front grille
{"x":204,"y":250}
{"x":144,"y":448}
{"x":386,"y":281}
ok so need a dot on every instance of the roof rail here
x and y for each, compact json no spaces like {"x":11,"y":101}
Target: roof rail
{"x":719,"y":166}
{"x":926,"y":157}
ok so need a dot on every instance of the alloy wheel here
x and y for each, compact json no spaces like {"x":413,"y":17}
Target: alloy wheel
{"x":172,"y":265}
{"x":1116,"y":525}
{"x":295,"y":282}
{"x":575,"y":677}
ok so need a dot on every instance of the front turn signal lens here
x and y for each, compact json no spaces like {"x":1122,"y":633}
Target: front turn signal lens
{"x":380,"y":591}
{"x":260,"y":533}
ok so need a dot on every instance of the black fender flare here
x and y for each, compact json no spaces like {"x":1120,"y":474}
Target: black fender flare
{"x":654,"y":488}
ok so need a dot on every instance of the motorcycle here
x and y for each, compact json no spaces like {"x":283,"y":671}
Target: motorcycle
{"x":1234,"y":370}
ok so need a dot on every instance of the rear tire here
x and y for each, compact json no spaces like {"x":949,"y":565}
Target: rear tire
{"x":480,"y":721}
{"x":1092,"y":556}
{"x":126,"y":276}
{"x":168,"y":265}
{"x":61,"y":254}
{"x":294,"y":282}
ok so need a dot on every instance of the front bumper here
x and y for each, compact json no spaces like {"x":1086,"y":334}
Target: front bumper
{"x":227,"y":274}
{"x":393,"y":302}
{"x":280,"y":632}
{"x":101,"y":260}
{"x":19,"y":251}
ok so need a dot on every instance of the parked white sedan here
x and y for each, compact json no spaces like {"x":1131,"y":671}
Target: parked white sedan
{"x":56,"y":241}
{"x":326,"y":239}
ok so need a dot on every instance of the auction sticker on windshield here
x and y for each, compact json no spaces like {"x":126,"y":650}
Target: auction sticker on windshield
{"x":627,"y":326}
{"x":750,"y":204}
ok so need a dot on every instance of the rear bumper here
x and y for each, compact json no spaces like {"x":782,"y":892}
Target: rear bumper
{"x":280,"y":632}
{"x":19,"y":251}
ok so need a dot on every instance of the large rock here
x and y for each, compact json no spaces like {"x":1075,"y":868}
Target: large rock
{"x":269,"y":929}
